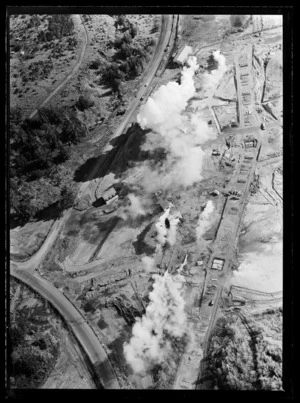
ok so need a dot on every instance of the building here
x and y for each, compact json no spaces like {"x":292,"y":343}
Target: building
{"x":164,"y":204}
{"x":181,"y":56}
{"x":218,"y":264}
{"x":250,"y":143}
{"x":109,"y":194}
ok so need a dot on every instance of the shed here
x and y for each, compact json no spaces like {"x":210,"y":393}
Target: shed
{"x":182,"y":55}
{"x":218,"y":264}
{"x":109,"y":194}
{"x":164,"y":204}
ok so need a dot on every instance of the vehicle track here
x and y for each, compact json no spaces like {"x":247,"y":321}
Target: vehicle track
{"x":68,"y":78}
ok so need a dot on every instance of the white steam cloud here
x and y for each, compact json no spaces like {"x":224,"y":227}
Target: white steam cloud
{"x":171,"y":237}
{"x":164,"y":319}
{"x":263,"y":270}
{"x":161,"y":229}
{"x":180,"y":137}
{"x":165,"y":234}
{"x":136,"y":207}
{"x":213,"y":78}
{"x":205,"y":219}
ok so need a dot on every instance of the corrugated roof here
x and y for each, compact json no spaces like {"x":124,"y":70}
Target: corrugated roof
{"x":109,"y":194}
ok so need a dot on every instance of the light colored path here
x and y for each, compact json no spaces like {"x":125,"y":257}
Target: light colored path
{"x":74,"y":71}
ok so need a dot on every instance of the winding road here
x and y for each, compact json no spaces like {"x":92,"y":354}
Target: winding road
{"x":26,"y":271}
{"x":103,"y":369}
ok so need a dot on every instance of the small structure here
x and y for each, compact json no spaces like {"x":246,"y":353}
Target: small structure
{"x":246,"y":98}
{"x":200,"y":263}
{"x":109,"y":194}
{"x":250,"y":143}
{"x":181,"y":56}
{"x":215,"y":152}
{"x":218,"y":264}
{"x":164,"y":204}
{"x":243,"y":61}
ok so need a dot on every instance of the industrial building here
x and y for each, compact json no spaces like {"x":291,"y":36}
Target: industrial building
{"x":250,"y":143}
{"x":181,"y":56}
{"x":218,"y":264}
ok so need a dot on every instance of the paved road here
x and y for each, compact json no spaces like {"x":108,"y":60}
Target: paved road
{"x":81,"y":330}
{"x":156,"y":59}
{"x":24,"y":271}
{"x":63,"y":83}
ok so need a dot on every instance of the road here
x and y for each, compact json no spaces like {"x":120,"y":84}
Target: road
{"x":25,"y":271}
{"x":225,"y":243}
{"x":64,"y":82}
{"x":148,"y":76}
{"x":35,"y":260}
{"x":77,"y":324}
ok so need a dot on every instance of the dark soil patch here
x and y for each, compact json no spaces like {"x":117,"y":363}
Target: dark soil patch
{"x":102,"y":324}
{"x":140,"y":245}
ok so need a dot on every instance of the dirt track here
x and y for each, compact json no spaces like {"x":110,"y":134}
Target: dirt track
{"x":68,"y":78}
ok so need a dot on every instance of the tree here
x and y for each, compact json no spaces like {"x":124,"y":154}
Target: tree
{"x":133,"y":31}
{"x":84,"y":102}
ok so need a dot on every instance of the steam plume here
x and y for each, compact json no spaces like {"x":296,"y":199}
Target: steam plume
{"x":164,"y":319}
{"x":136,"y":207}
{"x":212,"y":79}
{"x":180,"y":137}
{"x":204,"y":219}
{"x":161,"y":229}
{"x":171,"y":237}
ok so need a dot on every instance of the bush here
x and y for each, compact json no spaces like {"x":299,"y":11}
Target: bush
{"x":238,"y":20}
{"x":84,"y":102}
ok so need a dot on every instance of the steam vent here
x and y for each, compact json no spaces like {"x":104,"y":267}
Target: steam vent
{"x":146,"y":200}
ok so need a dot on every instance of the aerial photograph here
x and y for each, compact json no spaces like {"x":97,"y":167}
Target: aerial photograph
{"x":145,"y":201}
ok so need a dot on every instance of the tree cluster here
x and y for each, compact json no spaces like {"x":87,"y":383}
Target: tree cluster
{"x":37,"y":71}
{"x":59,"y":25}
{"x":37,"y":147}
{"x":127,"y":63}
{"x":124,"y":25}
{"x":230,"y":359}
{"x":32,"y":353}
{"x":241,"y":363}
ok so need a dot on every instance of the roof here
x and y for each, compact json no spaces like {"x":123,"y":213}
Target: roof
{"x":218,"y":264}
{"x":164,"y":204}
{"x":183,"y":54}
{"x":109,"y":193}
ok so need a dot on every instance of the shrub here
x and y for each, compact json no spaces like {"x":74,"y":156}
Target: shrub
{"x":84,"y":102}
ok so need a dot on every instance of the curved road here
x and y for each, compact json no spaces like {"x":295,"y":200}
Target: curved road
{"x":75,"y":69}
{"x":34,"y":261}
{"x":82,"y":331}
{"x":24,"y":271}
{"x":163,"y":40}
